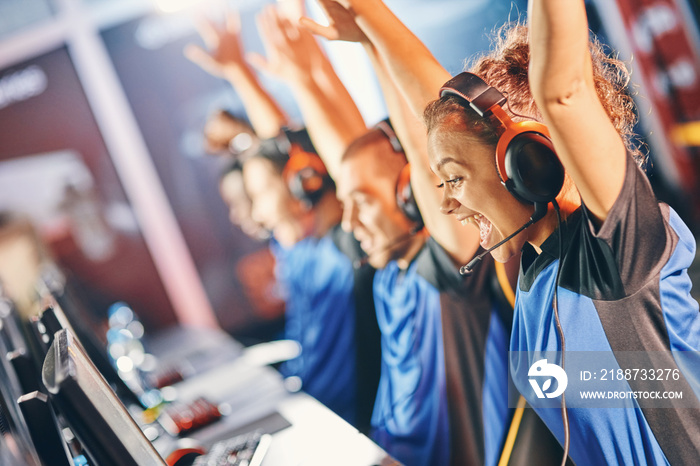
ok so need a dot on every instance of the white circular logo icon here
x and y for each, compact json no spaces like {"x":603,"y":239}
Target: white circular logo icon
{"x":542,"y":369}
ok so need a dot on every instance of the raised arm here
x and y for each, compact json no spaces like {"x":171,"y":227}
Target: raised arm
{"x":329,"y":113}
{"x":413,"y":67}
{"x":225,"y":59}
{"x":460,"y":242}
{"x":561,"y":79}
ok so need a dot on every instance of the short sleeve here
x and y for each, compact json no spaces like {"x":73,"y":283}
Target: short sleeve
{"x":435,"y":265}
{"x":634,"y":232}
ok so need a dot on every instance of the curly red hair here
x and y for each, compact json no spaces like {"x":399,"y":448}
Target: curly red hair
{"x":505,"y":67}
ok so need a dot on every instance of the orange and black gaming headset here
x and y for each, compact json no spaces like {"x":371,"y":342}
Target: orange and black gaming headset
{"x":405,"y":199}
{"x":525,"y":158}
{"x":306,"y":175}
{"x":304,"y":171}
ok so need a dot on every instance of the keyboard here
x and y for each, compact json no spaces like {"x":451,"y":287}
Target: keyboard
{"x":179,"y":418}
{"x":165,"y":377}
{"x":242,"y":450}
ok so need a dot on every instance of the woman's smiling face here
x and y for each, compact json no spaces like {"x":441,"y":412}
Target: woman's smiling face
{"x":472,"y":189}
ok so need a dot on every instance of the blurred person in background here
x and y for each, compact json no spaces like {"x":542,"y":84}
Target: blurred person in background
{"x":327,"y":310}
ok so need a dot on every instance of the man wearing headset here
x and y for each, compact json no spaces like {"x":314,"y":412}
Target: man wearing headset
{"x":442,"y":396}
{"x":326,"y":305}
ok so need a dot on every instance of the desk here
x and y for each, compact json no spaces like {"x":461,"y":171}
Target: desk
{"x":319,"y":437}
{"x":304,"y":432}
{"x":193,"y":349}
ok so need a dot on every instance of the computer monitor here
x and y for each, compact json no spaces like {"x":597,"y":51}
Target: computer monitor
{"x":30,"y":426}
{"x":54,"y":319}
{"x":98,"y":418}
{"x":11,"y":328}
{"x":43,"y":428}
{"x":176,"y":419}
{"x":55,"y":283}
{"x":13,"y":427}
{"x":14,"y":447}
{"x":15,"y":347}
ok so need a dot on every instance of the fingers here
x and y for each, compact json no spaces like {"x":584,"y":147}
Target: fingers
{"x":290,"y":31}
{"x":313,"y":27}
{"x":344,"y":3}
{"x":328,"y":6}
{"x":258,"y":62}
{"x":291,"y":9}
{"x":276,"y":30}
{"x":199,"y":56}
{"x":342,"y":25}
{"x":268,"y":26}
{"x":208,"y":31}
{"x":233,"y":22}
{"x":324,"y":4}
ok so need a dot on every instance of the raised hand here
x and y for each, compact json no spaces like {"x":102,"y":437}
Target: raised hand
{"x":292,"y":52}
{"x":224,"y":48}
{"x":342,"y":25}
{"x":291,"y":9}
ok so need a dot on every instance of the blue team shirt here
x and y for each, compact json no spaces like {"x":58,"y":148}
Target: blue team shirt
{"x":442,"y":395}
{"x":623,"y":288}
{"x":410,"y":419}
{"x":317,"y":280}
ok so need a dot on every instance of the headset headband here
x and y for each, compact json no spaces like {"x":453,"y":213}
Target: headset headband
{"x":525,"y":158}
{"x":481,"y":97}
{"x":385,"y":127}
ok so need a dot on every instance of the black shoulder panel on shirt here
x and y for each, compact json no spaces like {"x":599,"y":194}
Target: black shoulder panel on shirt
{"x":346,"y":243}
{"x":636,"y":324}
{"x":435,"y":265}
{"x":589,"y":266}
{"x":466,"y":305}
{"x":616,"y":260}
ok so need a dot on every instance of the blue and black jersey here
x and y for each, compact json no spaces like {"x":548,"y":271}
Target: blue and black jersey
{"x":442,"y":396}
{"x":329,"y":314}
{"x":623,"y":288}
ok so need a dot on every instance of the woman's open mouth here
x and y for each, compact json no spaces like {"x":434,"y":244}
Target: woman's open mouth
{"x":485,"y":227}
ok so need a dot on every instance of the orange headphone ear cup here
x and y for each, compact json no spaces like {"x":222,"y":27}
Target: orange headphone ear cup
{"x":405,"y":200}
{"x":535,"y":173}
{"x":306,"y":175}
{"x":527,"y":162}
